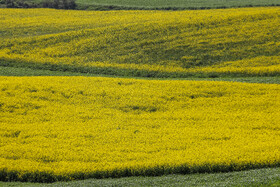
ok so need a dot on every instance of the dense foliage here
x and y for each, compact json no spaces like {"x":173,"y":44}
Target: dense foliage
{"x":57,"y":4}
{"x":18,"y":4}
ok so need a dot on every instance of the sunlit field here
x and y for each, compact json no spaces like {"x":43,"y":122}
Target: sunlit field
{"x":65,"y":128}
{"x":60,"y":122}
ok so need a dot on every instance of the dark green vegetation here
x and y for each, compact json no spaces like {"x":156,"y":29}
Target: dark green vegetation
{"x":12,"y":71}
{"x":17,"y":4}
{"x":259,"y":177}
{"x":57,"y":4}
{"x":143,"y":4}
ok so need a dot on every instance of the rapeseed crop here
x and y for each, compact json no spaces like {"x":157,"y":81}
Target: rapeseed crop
{"x":241,"y":41}
{"x":66,"y":128}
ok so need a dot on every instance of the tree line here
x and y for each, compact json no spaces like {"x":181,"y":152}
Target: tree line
{"x":57,"y":4}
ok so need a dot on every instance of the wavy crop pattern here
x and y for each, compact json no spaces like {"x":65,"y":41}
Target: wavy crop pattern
{"x":65,"y":128}
{"x":144,"y":43}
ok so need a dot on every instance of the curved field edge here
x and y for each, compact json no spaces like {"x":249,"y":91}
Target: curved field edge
{"x":148,"y":71}
{"x":66,"y":128}
{"x":49,"y":177}
{"x":13,"y":71}
{"x":258,"y":177}
{"x":207,"y":43}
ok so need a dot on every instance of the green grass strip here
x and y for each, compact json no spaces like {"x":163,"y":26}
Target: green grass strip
{"x":13,"y":71}
{"x":258,"y":177}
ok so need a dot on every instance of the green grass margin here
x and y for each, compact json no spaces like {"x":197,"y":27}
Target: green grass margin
{"x":114,"y":71}
{"x":258,"y":177}
{"x":14,"y":71}
{"x":170,"y":8}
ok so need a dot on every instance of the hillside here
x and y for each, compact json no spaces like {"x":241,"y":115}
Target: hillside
{"x":66,"y":114}
{"x":205,"y":43}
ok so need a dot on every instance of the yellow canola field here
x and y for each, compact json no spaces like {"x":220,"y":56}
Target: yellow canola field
{"x":64,"y":128}
{"x":143,"y":43}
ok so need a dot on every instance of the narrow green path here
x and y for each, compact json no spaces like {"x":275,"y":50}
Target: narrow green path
{"x":259,"y":177}
{"x":12,"y":71}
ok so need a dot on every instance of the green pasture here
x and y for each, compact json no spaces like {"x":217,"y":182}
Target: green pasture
{"x":178,"y":3}
{"x":165,"y":4}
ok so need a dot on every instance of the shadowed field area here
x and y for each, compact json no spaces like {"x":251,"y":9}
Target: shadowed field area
{"x":205,"y":43}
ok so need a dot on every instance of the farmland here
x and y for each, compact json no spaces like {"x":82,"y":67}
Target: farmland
{"x":205,"y":43}
{"x":91,"y":94}
{"x":112,"y":127}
